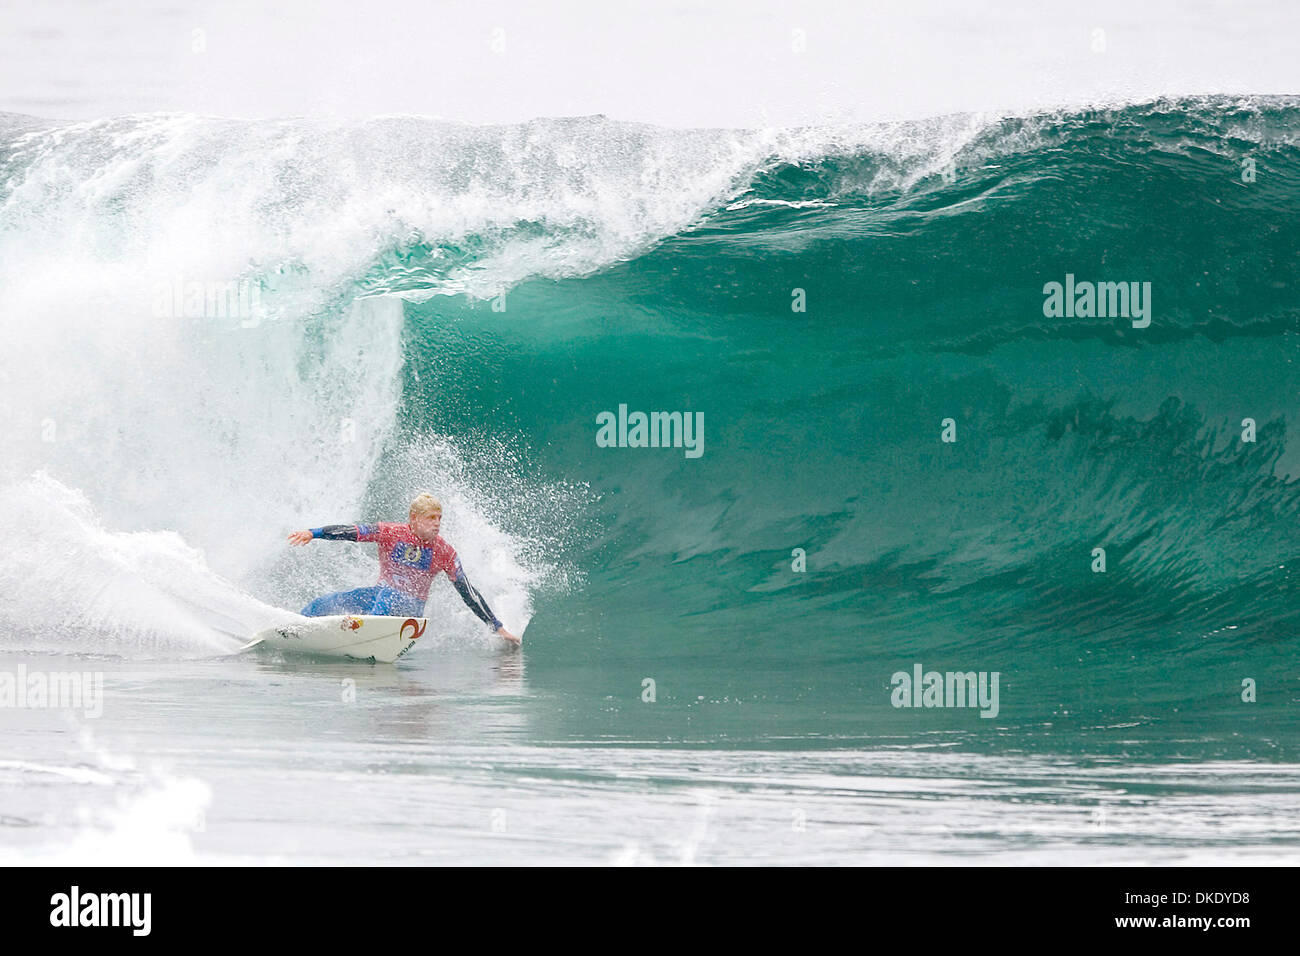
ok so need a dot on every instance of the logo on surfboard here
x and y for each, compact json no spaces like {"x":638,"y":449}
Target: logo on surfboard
{"x":417,"y":628}
{"x":350,"y":623}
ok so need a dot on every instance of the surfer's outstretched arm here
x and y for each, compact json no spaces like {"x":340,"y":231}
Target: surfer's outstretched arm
{"x":474,"y":601}
{"x":334,"y":532}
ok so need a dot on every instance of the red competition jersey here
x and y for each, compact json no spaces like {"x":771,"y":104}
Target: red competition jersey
{"x":407,"y":563}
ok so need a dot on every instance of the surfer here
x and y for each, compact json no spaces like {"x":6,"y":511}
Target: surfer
{"x":410,"y":557}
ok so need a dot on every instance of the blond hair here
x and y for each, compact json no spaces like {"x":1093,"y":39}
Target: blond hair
{"x":425,"y":505}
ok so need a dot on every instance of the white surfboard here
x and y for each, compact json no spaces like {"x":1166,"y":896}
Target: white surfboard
{"x":358,"y":637}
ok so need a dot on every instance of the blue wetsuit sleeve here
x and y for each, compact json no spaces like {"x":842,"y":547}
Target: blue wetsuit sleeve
{"x":473,"y":600}
{"x":336,"y":532}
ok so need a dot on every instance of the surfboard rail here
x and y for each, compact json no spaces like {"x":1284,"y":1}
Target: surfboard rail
{"x":359,"y":637}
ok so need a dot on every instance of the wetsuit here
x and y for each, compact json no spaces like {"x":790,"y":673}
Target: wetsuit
{"x":407,"y":567}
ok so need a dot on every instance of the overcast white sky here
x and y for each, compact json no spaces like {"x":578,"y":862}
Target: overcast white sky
{"x":685,"y":63}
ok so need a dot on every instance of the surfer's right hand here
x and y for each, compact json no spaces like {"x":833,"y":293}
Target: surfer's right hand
{"x":300,"y":537}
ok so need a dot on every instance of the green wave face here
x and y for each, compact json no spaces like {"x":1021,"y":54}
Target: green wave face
{"x":922,"y":281}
